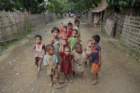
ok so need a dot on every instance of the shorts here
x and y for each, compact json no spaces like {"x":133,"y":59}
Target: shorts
{"x":95,"y":68}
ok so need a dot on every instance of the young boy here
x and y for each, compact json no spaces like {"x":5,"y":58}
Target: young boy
{"x":73,"y":40}
{"x":50,"y":60}
{"x":56,"y":41}
{"x":79,"y":60}
{"x":39,"y":50}
{"x":96,"y":58}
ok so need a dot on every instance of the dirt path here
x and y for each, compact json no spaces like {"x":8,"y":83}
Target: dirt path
{"x":120,"y":73}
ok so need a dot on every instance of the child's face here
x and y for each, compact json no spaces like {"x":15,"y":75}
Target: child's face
{"x":38,"y":40}
{"x":94,"y":42}
{"x":67,"y":51}
{"x":55,"y":33}
{"x":70,"y":26}
{"x":74,"y":33}
{"x":51,"y":51}
{"x":79,"y":49}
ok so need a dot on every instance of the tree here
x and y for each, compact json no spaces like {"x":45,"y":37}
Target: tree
{"x":58,"y":6}
{"x":118,"y":5}
{"x":33,"y":6}
{"x":83,"y":5}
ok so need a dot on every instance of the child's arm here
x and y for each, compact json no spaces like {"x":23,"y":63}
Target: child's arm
{"x":100,"y":57}
{"x":44,"y":49}
{"x":45,"y":62}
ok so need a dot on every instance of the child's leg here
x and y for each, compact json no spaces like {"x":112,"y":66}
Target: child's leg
{"x":39,"y":64}
{"x":51,"y":80}
{"x":66,"y":77}
{"x":95,"y":72}
{"x":84,"y":75}
{"x":36,"y":61}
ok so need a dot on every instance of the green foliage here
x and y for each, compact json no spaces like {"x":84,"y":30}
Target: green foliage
{"x":121,"y":3}
{"x":83,"y":5}
{"x":58,"y":6}
{"x":61,"y":6}
{"x":33,"y":6}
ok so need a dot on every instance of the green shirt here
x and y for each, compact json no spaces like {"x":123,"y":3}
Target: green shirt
{"x":73,"y":41}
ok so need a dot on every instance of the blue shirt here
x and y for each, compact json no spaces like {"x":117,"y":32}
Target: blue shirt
{"x":95,"y":54}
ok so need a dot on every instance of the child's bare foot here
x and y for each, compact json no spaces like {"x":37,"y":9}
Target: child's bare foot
{"x":94,"y":82}
{"x":51,"y":84}
{"x":57,"y":86}
{"x":38,"y":69}
{"x":70,"y":81}
{"x":66,"y":81}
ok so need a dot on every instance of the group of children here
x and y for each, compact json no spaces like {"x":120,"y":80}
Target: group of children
{"x":65,"y":55}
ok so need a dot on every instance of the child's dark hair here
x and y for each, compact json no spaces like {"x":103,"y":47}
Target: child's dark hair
{"x":49,"y":46}
{"x":70,"y":24}
{"x":55,"y":29}
{"x":96,"y":38}
{"x":38,"y":36}
{"x":76,"y":21}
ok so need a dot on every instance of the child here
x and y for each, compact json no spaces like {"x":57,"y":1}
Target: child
{"x":88,"y":50}
{"x":50,"y":60}
{"x":39,"y":50}
{"x":73,"y":40}
{"x":63,"y":33}
{"x":96,"y":58}
{"x":79,"y":60}
{"x":69,"y":29}
{"x":66,"y":63}
{"x":77,"y":22}
{"x":63,"y":44}
{"x":56,"y":41}
{"x":61,"y":27}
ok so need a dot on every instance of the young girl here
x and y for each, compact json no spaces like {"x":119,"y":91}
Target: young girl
{"x":79,"y":60}
{"x":39,"y":50}
{"x":66,"y":63}
{"x":73,"y":40}
{"x":96,"y":58}
{"x":63,"y":33}
{"x":56,"y":41}
{"x":69,"y":29}
{"x":51,"y":61}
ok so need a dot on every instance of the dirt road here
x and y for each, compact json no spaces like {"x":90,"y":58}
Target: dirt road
{"x":120,"y":73}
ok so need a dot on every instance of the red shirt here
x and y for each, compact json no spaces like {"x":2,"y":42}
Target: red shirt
{"x":69,"y":33}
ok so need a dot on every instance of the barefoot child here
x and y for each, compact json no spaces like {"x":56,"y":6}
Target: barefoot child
{"x":96,"y":57}
{"x":56,"y":41}
{"x":50,"y":60}
{"x":79,"y":60}
{"x":39,"y":50}
{"x":66,"y":63}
